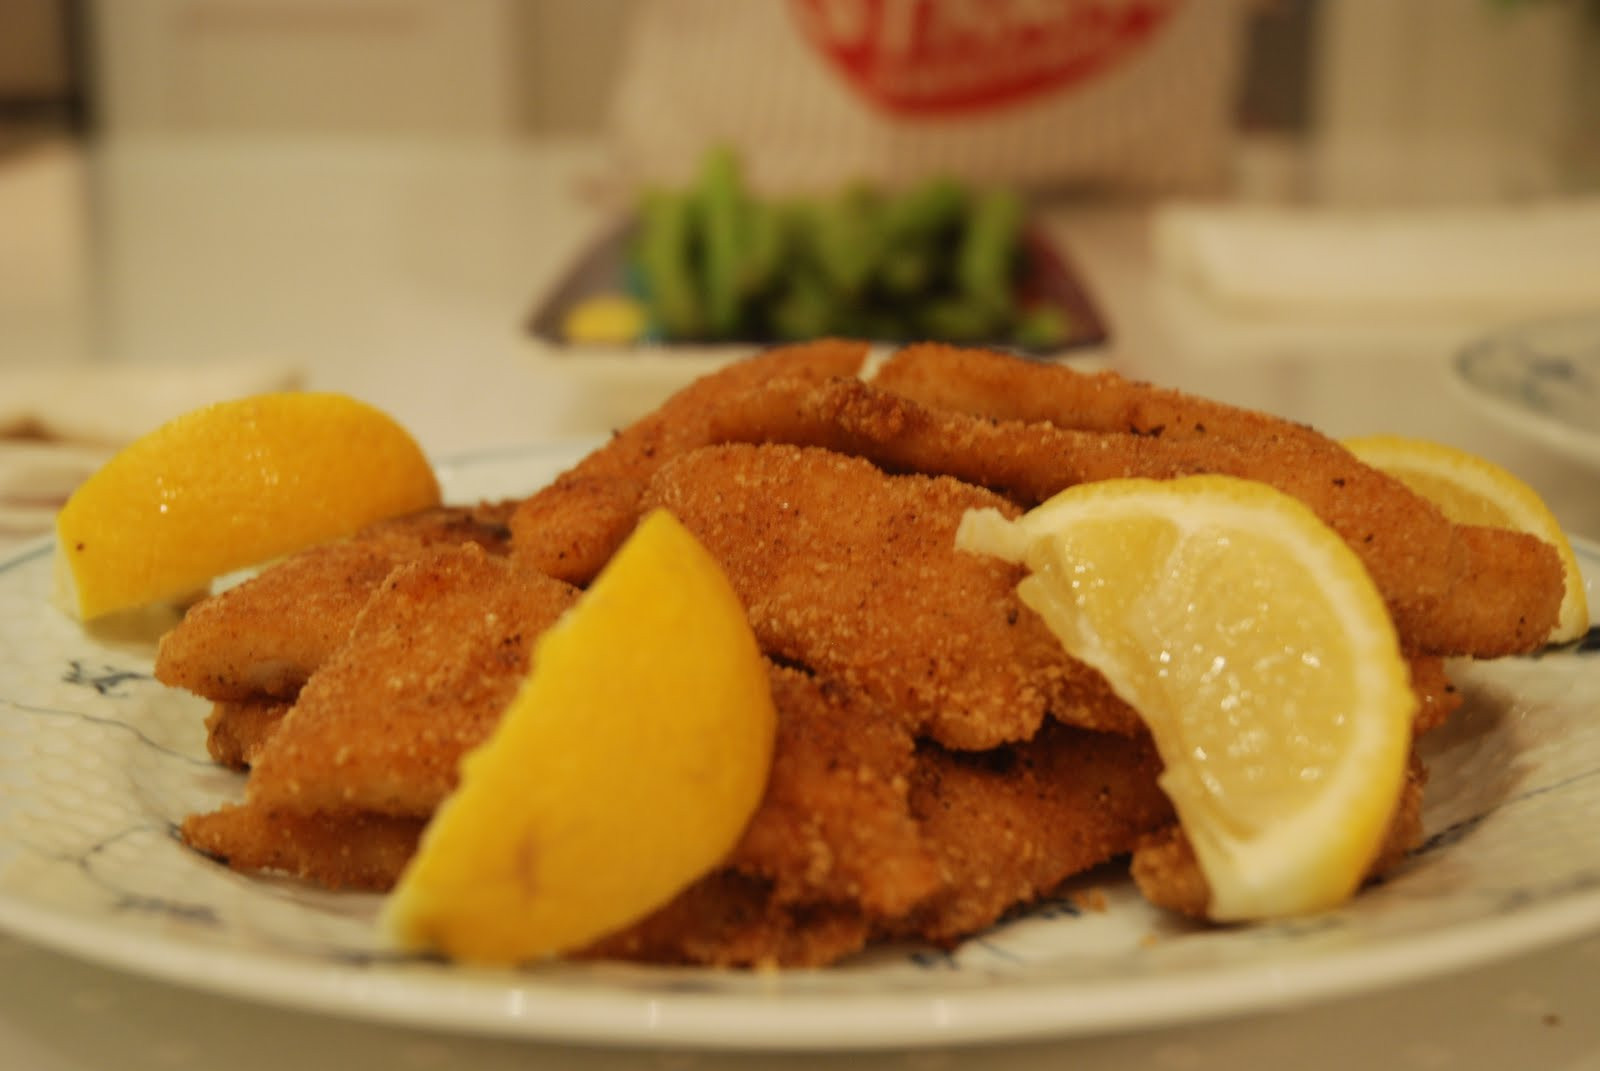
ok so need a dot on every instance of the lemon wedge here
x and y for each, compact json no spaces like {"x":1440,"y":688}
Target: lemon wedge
{"x":1473,"y":490}
{"x":1260,"y":655}
{"x":228,"y":486}
{"x":626,"y":767}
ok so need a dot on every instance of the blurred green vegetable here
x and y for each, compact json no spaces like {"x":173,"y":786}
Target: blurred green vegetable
{"x":720,"y":203}
{"x":937,"y":261}
{"x":666,"y":263}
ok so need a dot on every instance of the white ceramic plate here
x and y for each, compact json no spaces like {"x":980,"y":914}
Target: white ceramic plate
{"x":98,"y":761}
{"x":1543,"y":379}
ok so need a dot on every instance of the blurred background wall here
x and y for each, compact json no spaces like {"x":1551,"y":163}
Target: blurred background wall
{"x":1345,"y":100}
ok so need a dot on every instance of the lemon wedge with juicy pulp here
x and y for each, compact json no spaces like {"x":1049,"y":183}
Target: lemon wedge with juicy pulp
{"x":627,"y":766}
{"x":1260,"y":655}
{"x":228,"y":486}
{"x":1473,"y":490}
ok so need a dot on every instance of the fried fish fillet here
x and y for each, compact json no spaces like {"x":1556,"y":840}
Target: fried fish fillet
{"x":996,"y":386}
{"x":237,"y":729}
{"x":264,"y":637}
{"x":1005,"y":827}
{"x":345,"y":850}
{"x":372,"y":745}
{"x":835,"y":823}
{"x":1437,"y":696}
{"x":571,"y":528}
{"x":854,"y":575}
{"x":1452,"y":589}
{"x":729,"y":919}
{"x":1011,"y":825}
{"x":432,"y":660}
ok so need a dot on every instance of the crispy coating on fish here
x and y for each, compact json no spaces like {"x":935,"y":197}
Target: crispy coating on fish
{"x":835,"y":822}
{"x":1437,"y":696}
{"x":431,"y":662}
{"x":237,"y":729}
{"x":996,"y":386}
{"x":1010,"y":826}
{"x":1452,"y":589}
{"x":1003,"y":827}
{"x":854,"y":574}
{"x":338,"y":851}
{"x":571,"y":528}
{"x":264,"y":637}
{"x":728,"y":919}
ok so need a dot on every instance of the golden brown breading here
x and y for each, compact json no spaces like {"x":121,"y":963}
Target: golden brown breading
{"x":432,"y":661}
{"x":237,"y":729}
{"x":571,"y":528}
{"x":264,"y":637}
{"x":835,"y":821}
{"x":338,"y":851}
{"x":727,"y":919}
{"x":1452,"y":589}
{"x":1437,"y":697}
{"x":997,"y":386}
{"x":854,"y":575}
{"x":1010,"y":826}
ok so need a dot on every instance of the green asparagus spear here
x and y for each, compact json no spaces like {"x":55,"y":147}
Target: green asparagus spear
{"x":805,"y":309}
{"x":847,"y":238}
{"x":665,"y":256}
{"x":938,"y":260}
{"x":720,"y":205}
{"x":989,"y":245}
{"x":765,"y":250}
{"x":929,"y":209}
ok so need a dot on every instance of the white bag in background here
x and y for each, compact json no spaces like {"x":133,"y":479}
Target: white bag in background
{"x":1130,"y":95}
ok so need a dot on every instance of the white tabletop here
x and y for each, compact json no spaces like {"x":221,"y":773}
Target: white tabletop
{"x":405,"y":274}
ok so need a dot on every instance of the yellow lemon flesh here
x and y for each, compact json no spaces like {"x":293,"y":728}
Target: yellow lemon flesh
{"x":1469,"y":489}
{"x":626,"y":767}
{"x":229,"y":486}
{"x":1255,"y":647}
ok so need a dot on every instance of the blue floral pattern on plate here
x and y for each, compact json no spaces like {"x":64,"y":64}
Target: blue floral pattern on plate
{"x":99,"y":762}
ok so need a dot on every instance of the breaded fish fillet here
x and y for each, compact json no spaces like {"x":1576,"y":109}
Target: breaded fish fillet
{"x":1006,"y":827}
{"x":264,"y":637}
{"x":728,"y":919}
{"x":339,"y":792}
{"x":1452,"y":589}
{"x":854,"y":575}
{"x":1010,"y":826}
{"x":1437,"y":697}
{"x":571,"y":528}
{"x":997,"y":386}
{"x":835,"y":822}
{"x":432,"y":660}
{"x":237,"y":729}
{"x":347,"y":850}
